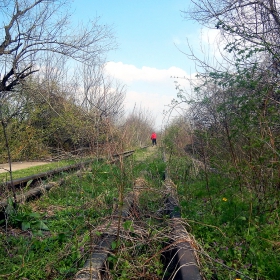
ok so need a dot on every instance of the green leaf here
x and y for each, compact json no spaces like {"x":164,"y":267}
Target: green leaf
{"x":10,"y":207}
{"x":114,"y":245}
{"x":61,"y":237}
{"x":25,"y":225}
{"x":28,"y":183}
{"x":127,"y":225}
{"x":34,"y":215}
{"x":43,"y":226}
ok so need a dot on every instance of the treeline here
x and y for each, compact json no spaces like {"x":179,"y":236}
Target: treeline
{"x":55,"y":95}
{"x":233,"y":112}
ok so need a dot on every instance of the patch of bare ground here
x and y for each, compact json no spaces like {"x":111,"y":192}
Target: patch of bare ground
{"x":4,"y":167}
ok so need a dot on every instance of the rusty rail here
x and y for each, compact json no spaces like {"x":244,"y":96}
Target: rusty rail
{"x":39,"y":190}
{"x":181,"y":260}
{"x":21,"y":182}
{"x":94,"y":267}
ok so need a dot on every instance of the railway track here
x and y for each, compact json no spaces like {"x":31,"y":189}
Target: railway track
{"x":21,"y":182}
{"x":37,"y":188}
{"x":177,"y":252}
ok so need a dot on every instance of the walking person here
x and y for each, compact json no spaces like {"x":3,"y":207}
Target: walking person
{"x":154,"y":138}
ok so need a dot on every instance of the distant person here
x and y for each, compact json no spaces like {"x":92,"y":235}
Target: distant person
{"x":154,"y":138}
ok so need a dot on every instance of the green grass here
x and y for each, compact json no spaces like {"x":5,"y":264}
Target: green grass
{"x":238,"y":231}
{"x":68,"y":213}
{"x":49,"y":238}
{"x":36,"y":169}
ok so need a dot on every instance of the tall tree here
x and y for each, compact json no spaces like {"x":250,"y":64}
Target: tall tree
{"x":235,"y":108}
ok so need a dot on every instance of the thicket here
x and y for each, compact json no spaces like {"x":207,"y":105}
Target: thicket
{"x":235,"y":110}
{"x":50,"y":123}
{"x":233,"y":122}
{"x":56,"y":99}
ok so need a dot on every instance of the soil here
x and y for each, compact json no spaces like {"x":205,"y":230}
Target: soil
{"x":20,"y":165}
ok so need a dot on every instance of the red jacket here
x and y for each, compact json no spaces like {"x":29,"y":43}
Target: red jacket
{"x":154,"y":136}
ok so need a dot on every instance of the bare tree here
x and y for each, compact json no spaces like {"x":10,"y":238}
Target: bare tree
{"x":138,"y":126}
{"x":249,"y":26}
{"x":101,"y":93}
{"x":33,"y":27}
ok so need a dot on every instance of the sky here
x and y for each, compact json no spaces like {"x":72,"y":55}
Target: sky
{"x":152,"y":36}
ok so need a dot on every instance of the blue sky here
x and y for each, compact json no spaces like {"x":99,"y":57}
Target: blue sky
{"x":147,"y":33}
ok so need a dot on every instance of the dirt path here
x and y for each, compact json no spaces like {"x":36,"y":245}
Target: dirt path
{"x":151,"y":150}
{"x":20,"y":165}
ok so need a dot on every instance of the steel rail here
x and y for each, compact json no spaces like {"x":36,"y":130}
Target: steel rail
{"x":181,"y":261}
{"x":40,"y":190}
{"x":21,"y":182}
{"x":94,"y":267}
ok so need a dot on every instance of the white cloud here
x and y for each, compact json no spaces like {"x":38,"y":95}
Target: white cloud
{"x":130,"y":73}
{"x":178,"y":41}
{"x":148,"y":87}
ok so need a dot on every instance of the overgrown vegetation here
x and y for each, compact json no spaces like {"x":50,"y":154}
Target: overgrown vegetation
{"x":229,"y":180}
{"x":56,"y":99}
{"x":50,"y":238}
{"x":223,"y":153}
{"x":236,"y":227}
{"x":47,"y":166}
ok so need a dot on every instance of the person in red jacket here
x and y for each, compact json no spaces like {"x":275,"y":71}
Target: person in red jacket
{"x":154,"y":138}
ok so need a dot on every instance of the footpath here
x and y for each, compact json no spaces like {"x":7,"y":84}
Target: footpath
{"x":4,"y":167}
